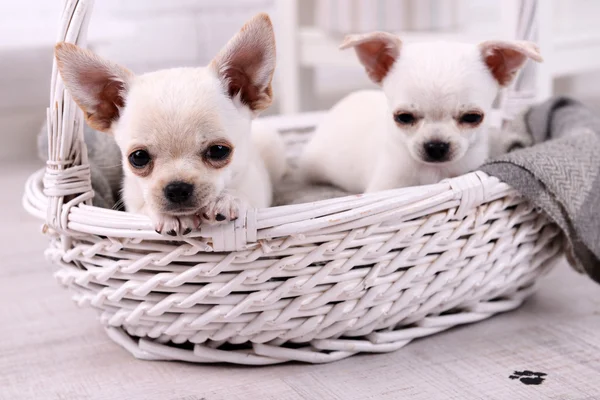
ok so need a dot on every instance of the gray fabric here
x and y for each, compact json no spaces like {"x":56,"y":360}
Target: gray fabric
{"x":105,"y":165}
{"x":293,"y":190}
{"x":514,"y":136}
{"x":560,"y":174}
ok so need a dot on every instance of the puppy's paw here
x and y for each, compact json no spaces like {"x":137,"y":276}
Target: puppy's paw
{"x":223,"y":209}
{"x":176,"y":226}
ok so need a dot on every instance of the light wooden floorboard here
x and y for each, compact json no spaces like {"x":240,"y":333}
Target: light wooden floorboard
{"x":51,"y":349}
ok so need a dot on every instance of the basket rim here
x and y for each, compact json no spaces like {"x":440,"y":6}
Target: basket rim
{"x":285,"y":220}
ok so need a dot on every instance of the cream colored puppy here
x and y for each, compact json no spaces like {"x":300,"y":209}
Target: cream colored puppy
{"x":429,"y":121}
{"x":185,"y":133}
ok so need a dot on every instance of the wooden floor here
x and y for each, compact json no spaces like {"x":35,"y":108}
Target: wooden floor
{"x":50,"y":349}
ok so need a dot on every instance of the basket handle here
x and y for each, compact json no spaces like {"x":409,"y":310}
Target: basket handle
{"x":67,"y":179}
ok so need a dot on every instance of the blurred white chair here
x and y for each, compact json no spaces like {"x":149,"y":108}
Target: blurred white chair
{"x":302,"y":49}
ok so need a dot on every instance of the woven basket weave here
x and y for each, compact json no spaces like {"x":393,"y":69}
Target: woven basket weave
{"x":311,"y":282}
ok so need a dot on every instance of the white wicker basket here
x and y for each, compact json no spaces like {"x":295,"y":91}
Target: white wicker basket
{"x":313,"y":282}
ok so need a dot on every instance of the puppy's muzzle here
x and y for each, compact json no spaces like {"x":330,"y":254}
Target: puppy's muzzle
{"x":178,"y":193}
{"x":437,"y":151}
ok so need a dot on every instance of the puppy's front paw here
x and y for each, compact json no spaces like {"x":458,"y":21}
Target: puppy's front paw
{"x":176,"y":226}
{"x":224,"y":208}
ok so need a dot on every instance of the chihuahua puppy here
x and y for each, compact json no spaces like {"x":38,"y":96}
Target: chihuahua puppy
{"x":429,"y":121}
{"x":185,"y":133}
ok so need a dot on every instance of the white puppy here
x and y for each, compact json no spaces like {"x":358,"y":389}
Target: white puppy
{"x":185,"y":133}
{"x":428,"y":123}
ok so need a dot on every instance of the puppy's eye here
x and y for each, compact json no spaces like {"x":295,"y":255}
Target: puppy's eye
{"x":405,"y":118}
{"x":471,"y":118}
{"x":139,"y":158}
{"x":218,"y":152}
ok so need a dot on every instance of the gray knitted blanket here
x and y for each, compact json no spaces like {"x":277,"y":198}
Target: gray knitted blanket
{"x":560,"y":174}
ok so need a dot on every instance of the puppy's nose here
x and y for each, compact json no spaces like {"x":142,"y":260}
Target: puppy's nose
{"x":437,"y":151}
{"x":178,"y":192}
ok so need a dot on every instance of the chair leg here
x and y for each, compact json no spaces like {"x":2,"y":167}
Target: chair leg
{"x":288,"y":65}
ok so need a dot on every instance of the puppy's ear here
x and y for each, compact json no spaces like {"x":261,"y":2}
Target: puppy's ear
{"x":505,"y":58}
{"x":246,"y":64}
{"x":376,"y":51}
{"x":97,"y":86}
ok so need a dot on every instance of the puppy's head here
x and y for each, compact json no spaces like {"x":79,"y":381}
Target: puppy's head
{"x":439,"y":94}
{"x":184,"y":133}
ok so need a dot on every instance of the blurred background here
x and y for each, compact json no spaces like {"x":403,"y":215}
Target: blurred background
{"x":312,"y":74}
